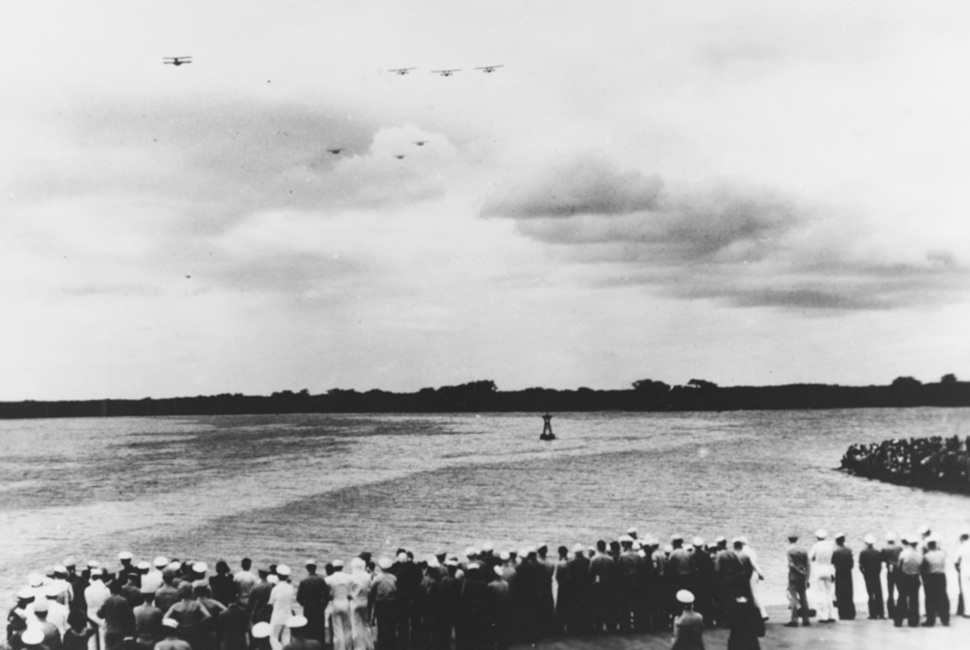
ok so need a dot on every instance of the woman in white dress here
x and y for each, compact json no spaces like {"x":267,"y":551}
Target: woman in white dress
{"x":361,"y":636}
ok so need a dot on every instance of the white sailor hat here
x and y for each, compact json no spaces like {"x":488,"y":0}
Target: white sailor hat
{"x":70,"y":562}
{"x":488,"y":546}
{"x":473,"y":565}
{"x":578,"y":548}
{"x":144,"y":565}
{"x":125,"y":555}
{"x":631,"y":531}
{"x":684,"y":596}
{"x":505,"y":556}
{"x":97,"y":572}
{"x":35,"y":580}
{"x":170,"y":622}
{"x":337,"y":564}
{"x":60,"y":568}
{"x":26,"y":594}
{"x":283,"y":570}
{"x":890,"y":537}
{"x":677,"y":537}
{"x":32,"y":636}
{"x":924,"y":530}
{"x":202,"y":567}
{"x":296,"y":622}
{"x":160,"y":562}
{"x":668,"y":548}
{"x":93,"y":563}
{"x":403,"y":556}
{"x":53,"y":590}
{"x":358,"y":563}
{"x":261,"y":630}
{"x":839,"y":535}
{"x":385,"y":562}
{"x":719,"y":539}
{"x":698,"y":541}
{"x":273,"y":579}
{"x":625,"y":539}
{"x":869,"y":539}
{"x":471,"y":551}
{"x":821,"y":533}
{"x":310,"y":563}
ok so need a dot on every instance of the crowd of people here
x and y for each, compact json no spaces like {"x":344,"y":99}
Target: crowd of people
{"x":936,"y":463}
{"x":916,"y":562}
{"x":477,"y":600}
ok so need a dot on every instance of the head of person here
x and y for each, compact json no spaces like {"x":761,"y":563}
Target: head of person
{"x":563,"y":552}
{"x":283,"y":572}
{"x":41,"y":609}
{"x":685,"y":598}
{"x":222,"y":568}
{"x":869,"y":540}
{"x":185,"y":591}
{"x":677,"y":541}
{"x":246,"y":564}
{"x":77,"y":620}
{"x":792,"y":538}
{"x":601,"y":545}
{"x":311,"y":567}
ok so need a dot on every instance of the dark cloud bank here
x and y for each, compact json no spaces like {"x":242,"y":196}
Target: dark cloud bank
{"x":747,"y":245}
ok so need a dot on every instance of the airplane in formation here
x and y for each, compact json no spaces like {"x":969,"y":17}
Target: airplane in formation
{"x":420,"y":143}
{"x":177,"y":60}
{"x":399,"y":156}
{"x":490,"y":68}
{"x":401,"y":71}
{"x":447,"y":72}
{"x":334,"y":151}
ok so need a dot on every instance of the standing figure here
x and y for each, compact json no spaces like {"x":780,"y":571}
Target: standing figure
{"x":689,"y":625}
{"x":870,"y":564}
{"x":339,"y":583}
{"x":747,"y":625}
{"x":823,"y":573}
{"x":963,"y":573}
{"x":281,"y":600}
{"x":910,"y":563}
{"x":798,"y":575}
{"x":843,"y":562}
{"x":890,"y":557}
{"x":313,"y":594}
{"x":360,"y":582}
{"x":933,"y":569}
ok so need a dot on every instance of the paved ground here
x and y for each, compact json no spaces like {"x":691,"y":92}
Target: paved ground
{"x":843,"y":635}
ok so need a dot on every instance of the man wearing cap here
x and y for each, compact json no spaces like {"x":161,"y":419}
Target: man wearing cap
{"x":313,"y":595}
{"x":170,"y":626}
{"x":910,"y":563}
{"x":52,"y":635}
{"x":340,"y":619}
{"x":360,"y":584}
{"x":60,"y":587}
{"x":689,"y":625}
{"x":95,"y":595}
{"x":78,"y":584}
{"x":281,"y":599}
{"x":601,"y":588}
{"x":798,"y":577}
{"x":383,"y":602}
{"x":844,"y":562}
{"x":56,"y":611}
{"x":127,"y":569}
{"x":823,"y":575}
{"x":890,"y":557}
{"x":870,"y":565}
{"x":933,"y":570}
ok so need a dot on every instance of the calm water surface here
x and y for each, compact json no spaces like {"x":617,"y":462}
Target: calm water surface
{"x":290,"y":487}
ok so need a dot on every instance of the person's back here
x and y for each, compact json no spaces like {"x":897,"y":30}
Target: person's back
{"x":688,"y":631}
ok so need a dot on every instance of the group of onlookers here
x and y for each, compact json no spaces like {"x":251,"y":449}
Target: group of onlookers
{"x":481,"y":599}
{"x":915,"y":562}
{"x":936,"y":462}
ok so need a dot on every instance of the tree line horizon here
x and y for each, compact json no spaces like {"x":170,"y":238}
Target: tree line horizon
{"x":484,"y":396}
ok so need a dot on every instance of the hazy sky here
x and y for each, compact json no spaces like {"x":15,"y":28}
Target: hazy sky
{"x":744,"y":192}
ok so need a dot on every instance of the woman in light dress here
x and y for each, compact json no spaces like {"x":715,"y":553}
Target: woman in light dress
{"x":339,"y":583}
{"x":756,"y":576}
{"x":360,"y":580}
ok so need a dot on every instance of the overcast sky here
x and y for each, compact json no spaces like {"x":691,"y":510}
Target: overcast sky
{"x":744,"y":192}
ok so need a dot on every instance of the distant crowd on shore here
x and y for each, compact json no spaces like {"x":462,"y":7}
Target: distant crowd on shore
{"x":936,"y":463}
{"x":477,"y":600}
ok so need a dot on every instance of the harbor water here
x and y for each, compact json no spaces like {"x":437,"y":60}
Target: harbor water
{"x":285,"y":488}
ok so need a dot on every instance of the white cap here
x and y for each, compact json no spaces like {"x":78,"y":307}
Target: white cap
{"x":296,"y":621}
{"x":698,"y":541}
{"x":282,"y":570}
{"x":869,"y":539}
{"x":32,"y":636}
{"x":337,"y":564}
{"x":170,"y":622}
{"x":200,"y":567}
{"x":821,"y":533}
{"x":488,"y":546}
{"x":144,"y":565}
{"x":160,"y":562}
{"x":272,"y":578}
{"x":384,"y":562}
{"x":890,"y":537}
{"x":684,"y":596}
{"x":625,"y":539}
{"x":261,"y":630}
{"x":125,"y":555}
{"x":93,"y":563}
{"x":35,"y":579}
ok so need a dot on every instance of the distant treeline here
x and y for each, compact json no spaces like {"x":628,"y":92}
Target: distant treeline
{"x":484,"y":396}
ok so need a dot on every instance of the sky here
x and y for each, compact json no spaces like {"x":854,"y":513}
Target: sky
{"x":750,"y":193}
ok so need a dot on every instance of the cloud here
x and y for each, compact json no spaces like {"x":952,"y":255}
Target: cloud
{"x":728,"y":240}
